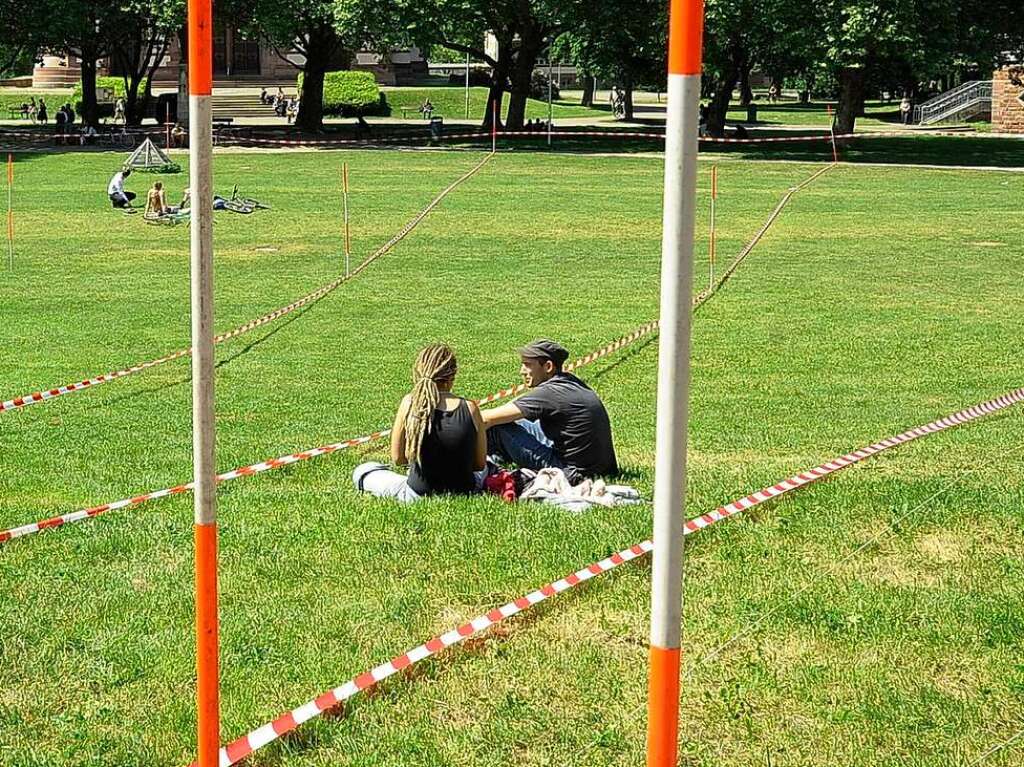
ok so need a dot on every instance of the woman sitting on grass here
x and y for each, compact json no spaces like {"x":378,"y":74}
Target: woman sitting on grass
{"x":438,"y":434}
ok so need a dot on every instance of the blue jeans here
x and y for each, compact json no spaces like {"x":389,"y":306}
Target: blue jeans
{"x":523,"y":443}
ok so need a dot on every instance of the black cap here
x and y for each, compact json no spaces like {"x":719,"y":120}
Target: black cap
{"x":544,"y":349}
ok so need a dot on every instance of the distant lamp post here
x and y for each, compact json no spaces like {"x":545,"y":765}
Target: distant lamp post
{"x":550,"y":41}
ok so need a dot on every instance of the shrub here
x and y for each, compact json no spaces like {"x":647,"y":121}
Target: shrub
{"x":349,"y":93}
{"x":114,"y":82}
{"x":539,"y":88}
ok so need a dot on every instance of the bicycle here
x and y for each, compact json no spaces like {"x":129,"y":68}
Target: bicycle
{"x":247,"y":202}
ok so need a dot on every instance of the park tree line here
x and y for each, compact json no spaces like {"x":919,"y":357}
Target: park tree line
{"x":842,"y":49}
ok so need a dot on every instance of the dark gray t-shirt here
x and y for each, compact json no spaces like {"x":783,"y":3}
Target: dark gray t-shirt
{"x":574,"y":419}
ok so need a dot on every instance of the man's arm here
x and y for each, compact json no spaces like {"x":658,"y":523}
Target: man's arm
{"x":496,"y":416}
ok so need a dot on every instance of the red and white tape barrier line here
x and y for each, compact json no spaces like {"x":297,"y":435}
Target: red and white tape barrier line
{"x":626,"y":340}
{"x":42,"y":396}
{"x":286,"y":460}
{"x":741,"y":256}
{"x":262,"y":736}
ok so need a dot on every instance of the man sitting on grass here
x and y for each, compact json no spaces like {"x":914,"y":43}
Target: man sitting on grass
{"x":119,"y":198}
{"x":561,"y":424}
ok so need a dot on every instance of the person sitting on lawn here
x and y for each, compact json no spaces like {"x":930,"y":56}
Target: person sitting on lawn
{"x":178,"y":134}
{"x":156,"y":201}
{"x":561,"y":424}
{"x":119,"y":198}
{"x":437,"y":433}
{"x":88,"y":135}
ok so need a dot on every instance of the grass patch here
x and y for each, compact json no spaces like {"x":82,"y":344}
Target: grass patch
{"x":868,"y":308}
{"x":450,"y":102}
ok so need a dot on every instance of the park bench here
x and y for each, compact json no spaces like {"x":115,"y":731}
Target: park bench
{"x":16,"y":112}
{"x":406,"y":111}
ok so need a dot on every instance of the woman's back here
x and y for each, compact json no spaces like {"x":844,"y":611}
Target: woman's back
{"x":448,"y":451}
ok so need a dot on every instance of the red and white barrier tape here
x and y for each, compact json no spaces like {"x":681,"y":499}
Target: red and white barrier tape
{"x":42,"y":396}
{"x":224,"y":139}
{"x":262,"y":736}
{"x":741,"y":256}
{"x":498,"y":395}
{"x":286,"y":460}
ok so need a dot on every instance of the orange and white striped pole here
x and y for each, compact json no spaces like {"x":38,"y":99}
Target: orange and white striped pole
{"x":10,"y":211}
{"x":344,"y":192}
{"x":200,"y":88}
{"x":686,"y":23}
{"x":711,"y":234}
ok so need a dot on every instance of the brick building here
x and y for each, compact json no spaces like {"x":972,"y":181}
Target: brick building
{"x":238,"y":59}
{"x":1008,"y":100}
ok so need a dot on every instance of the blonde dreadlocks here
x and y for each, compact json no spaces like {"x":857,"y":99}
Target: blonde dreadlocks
{"x":435,"y":364}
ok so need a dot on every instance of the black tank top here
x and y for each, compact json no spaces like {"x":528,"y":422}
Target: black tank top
{"x":447,"y":454}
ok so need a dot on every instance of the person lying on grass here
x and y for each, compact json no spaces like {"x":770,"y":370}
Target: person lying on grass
{"x":561,"y":424}
{"x":437,"y":433}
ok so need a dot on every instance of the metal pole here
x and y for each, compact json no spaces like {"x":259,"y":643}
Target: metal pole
{"x":344,"y":185}
{"x":10,"y":211}
{"x":467,"y":86}
{"x":549,"y":96}
{"x":494,"y":127}
{"x":200,"y":74}
{"x":684,"y":64}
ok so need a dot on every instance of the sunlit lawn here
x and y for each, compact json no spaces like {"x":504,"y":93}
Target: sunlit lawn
{"x":877,"y":617}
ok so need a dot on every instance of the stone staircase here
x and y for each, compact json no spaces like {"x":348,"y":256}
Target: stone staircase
{"x":240,"y":105}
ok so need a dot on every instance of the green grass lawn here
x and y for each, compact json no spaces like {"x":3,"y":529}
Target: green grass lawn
{"x":450,"y":102}
{"x":877,"y":616}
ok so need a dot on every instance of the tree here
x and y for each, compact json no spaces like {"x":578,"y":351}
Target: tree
{"x":520,"y":29}
{"x":622,"y":42}
{"x":733,"y":31}
{"x":866,"y":37}
{"x":143,"y":31}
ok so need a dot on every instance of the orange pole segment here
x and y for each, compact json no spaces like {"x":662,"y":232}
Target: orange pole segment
{"x":207,"y":644}
{"x":663,"y":707}
{"x":200,"y":47}
{"x":10,"y":169}
{"x":686,"y":30}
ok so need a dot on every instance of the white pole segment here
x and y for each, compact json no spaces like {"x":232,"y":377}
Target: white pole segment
{"x":674,"y":358}
{"x":201,"y":184}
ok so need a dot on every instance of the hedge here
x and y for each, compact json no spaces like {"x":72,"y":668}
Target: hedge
{"x":116,"y":83}
{"x":349,"y":93}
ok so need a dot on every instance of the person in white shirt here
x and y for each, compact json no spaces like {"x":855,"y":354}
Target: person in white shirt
{"x":119,"y":198}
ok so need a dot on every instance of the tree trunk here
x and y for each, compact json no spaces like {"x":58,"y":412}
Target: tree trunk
{"x":588,"y":91}
{"x":89,"y":110}
{"x":746,"y":92}
{"x":311,"y":100}
{"x":321,"y":46}
{"x":531,"y":39}
{"x":719,"y":105}
{"x":495,"y":95}
{"x":851,"y":98}
{"x":627,"y":98}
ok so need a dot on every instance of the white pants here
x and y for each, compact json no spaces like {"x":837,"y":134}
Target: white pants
{"x":379,"y":480}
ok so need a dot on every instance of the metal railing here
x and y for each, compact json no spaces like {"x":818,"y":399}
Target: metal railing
{"x":963,"y":101}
